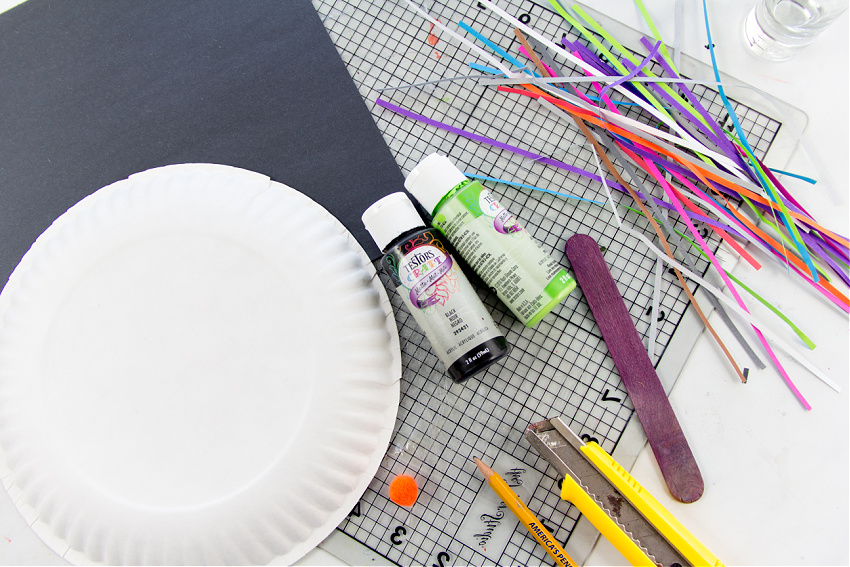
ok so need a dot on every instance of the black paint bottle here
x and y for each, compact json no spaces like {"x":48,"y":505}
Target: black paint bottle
{"x":432,"y":285}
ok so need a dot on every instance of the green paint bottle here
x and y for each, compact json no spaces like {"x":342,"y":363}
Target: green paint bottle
{"x":490,"y":239}
{"x":434,"y":289}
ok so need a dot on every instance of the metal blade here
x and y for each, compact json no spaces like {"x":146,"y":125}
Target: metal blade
{"x":562,"y":449}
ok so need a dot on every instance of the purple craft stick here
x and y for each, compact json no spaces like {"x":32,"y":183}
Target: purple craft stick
{"x":656,"y":415}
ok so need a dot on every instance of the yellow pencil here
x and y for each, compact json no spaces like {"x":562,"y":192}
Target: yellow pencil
{"x":521,"y":511}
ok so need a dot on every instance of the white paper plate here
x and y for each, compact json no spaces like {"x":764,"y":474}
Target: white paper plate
{"x":197,"y":365}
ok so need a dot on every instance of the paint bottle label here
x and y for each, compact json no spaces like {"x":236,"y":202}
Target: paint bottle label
{"x":441,"y":299}
{"x":506,"y":257}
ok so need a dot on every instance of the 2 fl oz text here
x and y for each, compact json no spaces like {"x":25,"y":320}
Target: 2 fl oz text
{"x":477,"y":355}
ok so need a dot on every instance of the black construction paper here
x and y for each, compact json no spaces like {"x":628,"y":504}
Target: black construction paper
{"x":92,"y":92}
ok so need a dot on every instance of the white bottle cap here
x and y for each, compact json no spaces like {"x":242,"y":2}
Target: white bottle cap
{"x":431,"y":179}
{"x":389,"y":217}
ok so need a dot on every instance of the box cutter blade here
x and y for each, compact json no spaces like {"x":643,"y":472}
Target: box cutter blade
{"x":607,"y":495}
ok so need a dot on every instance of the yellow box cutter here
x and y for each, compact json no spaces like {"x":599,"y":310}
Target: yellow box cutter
{"x":607,"y":495}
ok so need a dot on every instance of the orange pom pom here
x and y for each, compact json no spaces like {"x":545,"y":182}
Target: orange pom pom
{"x":403,"y":490}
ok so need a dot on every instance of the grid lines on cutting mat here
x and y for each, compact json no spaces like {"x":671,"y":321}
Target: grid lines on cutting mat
{"x":561,"y":367}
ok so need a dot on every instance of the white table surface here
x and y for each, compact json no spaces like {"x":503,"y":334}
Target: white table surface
{"x":776,"y":475}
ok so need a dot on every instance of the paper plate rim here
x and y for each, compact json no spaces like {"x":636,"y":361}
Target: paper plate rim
{"x":391,"y":390}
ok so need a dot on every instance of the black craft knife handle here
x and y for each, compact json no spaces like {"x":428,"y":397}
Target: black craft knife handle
{"x":654,"y":411}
